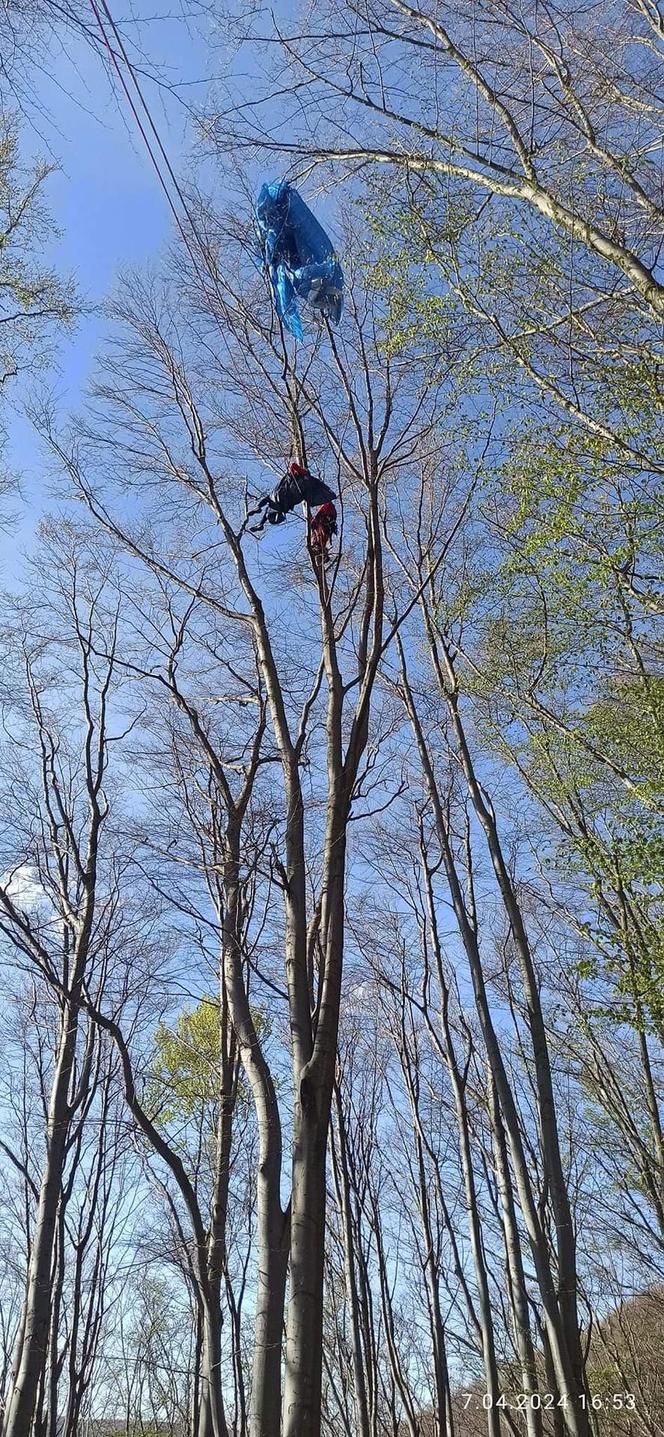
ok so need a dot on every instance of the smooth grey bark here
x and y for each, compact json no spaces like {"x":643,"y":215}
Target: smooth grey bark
{"x":458,"y":1079}
{"x":54,"y":1364}
{"x":557,"y":1317}
{"x":195,"y":1400}
{"x":342,"y":1185}
{"x":314,"y":1079}
{"x":567,"y":1279}
{"x":65,"y":1098}
{"x":212,"y":1421}
{"x":211,"y":1374}
{"x":71,"y":852}
{"x":273,"y":1225}
{"x":314,"y":1047}
{"x":303,"y":1376}
{"x":35,"y":1338}
{"x":516,"y":1279}
{"x":205,"y":1243}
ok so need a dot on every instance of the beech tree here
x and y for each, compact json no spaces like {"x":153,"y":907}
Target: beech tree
{"x":192,"y":1081}
{"x":58,"y":894}
{"x":346,"y":402}
{"x":331,"y":894}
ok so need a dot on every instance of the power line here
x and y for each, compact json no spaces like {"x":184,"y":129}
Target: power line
{"x":141,"y":127}
{"x":153,"y":127}
{"x":203,"y":251}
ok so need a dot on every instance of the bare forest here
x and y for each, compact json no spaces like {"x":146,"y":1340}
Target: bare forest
{"x":331,"y":926}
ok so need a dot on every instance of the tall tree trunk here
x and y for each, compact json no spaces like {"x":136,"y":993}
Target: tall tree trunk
{"x":213,"y":1418}
{"x":273,"y":1228}
{"x":303,"y":1380}
{"x":576,"y":1418}
{"x":213,"y":1423}
{"x":270,"y":1305}
{"x":516,"y":1278}
{"x":340,"y":1165}
{"x":442,"y":1406}
{"x":34,"y":1346}
{"x":313,"y":1097}
{"x":567,"y":1284}
{"x":54,"y":1364}
{"x":314,"y":1070}
{"x":195,"y":1400}
{"x":458,"y":1079}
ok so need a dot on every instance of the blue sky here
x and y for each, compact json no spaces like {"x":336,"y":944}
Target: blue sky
{"x":105,"y":200}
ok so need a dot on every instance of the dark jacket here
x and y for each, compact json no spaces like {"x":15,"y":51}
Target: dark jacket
{"x":292,"y":490}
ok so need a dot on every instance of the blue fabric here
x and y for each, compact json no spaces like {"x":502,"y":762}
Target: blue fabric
{"x":299,"y":256}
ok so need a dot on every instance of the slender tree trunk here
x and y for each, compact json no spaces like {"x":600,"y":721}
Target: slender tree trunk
{"x":552,"y":1383}
{"x":458,"y":1079}
{"x":303,"y":1382}
{"x":567,"y":1284}
{"x":272,"y":1221}
{"x":514,"y":1264}
{"x":213,"y":1423}
{"x":340,"y":1164}
{"x":53,"y":1361}
{"x":313,"y":1071}
{"x":575,"y":1416}
{"x":442,"y":1408}
{"x":34,"y":1346}
{"x":213,"y":1418}
{"x":477,"y":1246}
{"x":270,"y":1305}
{"x":196,"y":1402}
{"x":367,"y":1350}
{"x":398,"y":1374}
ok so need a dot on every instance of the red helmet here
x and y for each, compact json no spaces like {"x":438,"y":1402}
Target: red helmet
{"x":297,"y":470}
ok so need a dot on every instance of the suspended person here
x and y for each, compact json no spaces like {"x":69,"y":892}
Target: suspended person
{"x":298,"y":486}
{"x":323,"y":529}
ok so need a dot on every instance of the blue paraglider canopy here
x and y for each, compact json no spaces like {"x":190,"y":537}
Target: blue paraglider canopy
{"x":299,"y":256}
